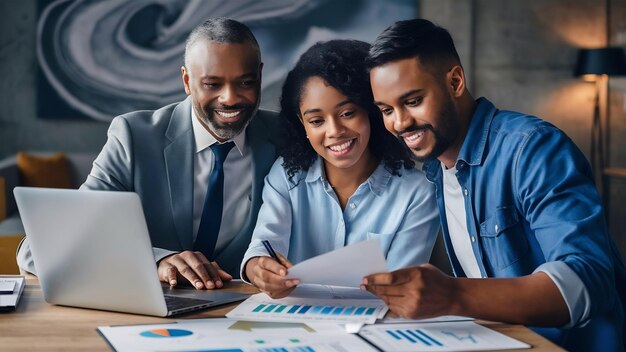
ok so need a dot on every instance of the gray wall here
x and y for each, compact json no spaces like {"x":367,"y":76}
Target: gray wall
{"x":521,"y":54}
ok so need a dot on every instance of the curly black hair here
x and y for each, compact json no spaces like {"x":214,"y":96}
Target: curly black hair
{"x":341,"y":63}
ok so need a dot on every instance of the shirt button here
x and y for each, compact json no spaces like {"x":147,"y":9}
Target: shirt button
{"x":466,"y":192}
{"x":496,"y":228}
{"x":352,"y":205}
{"x":473,"y":239}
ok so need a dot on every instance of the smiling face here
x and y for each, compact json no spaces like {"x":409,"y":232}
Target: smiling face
{"x":418,"y":107}
{"x":337,"y":128}
{"x":224,"y":81}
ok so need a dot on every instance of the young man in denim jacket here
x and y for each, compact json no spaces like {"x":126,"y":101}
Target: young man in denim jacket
{"x":522,"y":221}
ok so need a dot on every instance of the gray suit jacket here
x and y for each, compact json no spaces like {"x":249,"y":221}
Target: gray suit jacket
{"x":151,"y":153}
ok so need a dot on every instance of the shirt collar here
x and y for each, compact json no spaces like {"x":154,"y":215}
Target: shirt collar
{"x":204,"y":139}
{"x":377,"y":181}
{"x":316,"y":171}
{"x":474,"y":146}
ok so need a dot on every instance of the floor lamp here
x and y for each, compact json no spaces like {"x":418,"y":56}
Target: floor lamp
{"x":597,"y":65}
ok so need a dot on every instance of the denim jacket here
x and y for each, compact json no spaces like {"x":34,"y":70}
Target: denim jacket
{"x":531,"y":205}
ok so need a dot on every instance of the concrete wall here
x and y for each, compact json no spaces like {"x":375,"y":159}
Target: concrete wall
{"x":521,"y":55}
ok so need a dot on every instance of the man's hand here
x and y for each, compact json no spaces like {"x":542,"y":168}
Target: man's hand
{"x":195,"y":268}
{"x":424,"y":291}
{"x":269,"y":275}
{"x":416,"y":292}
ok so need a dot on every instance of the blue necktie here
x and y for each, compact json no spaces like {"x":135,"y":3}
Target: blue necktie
{"x":211,"y":218}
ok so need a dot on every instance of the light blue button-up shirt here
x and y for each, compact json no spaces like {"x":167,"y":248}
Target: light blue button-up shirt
{"x":302,"y":217}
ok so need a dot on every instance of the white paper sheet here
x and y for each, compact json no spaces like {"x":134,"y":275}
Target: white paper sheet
{"x":397,"y":320}
{"x":345,"y":266}
{"x":308,"y":308}
{"x":225,"y":334}
{"x":7,"y":286}
{"x":315,"y":291}
{"x":9,"y":301}
{"x":444,"y":336}
{"x":356,"y":327}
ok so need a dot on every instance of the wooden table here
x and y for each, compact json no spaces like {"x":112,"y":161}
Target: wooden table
{"x":39,"y":326}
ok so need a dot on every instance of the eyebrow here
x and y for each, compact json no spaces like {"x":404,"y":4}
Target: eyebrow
{"x":245,"y":75}
{"x":402,"y":97}
{"x":308,"y":111}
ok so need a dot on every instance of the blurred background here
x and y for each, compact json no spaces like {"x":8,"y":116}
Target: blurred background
{"x":67,"y":67}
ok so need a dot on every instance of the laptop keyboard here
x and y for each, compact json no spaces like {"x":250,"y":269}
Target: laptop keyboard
{"x":176,"y":302}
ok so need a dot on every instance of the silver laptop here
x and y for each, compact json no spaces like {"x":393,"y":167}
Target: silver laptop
{"x":92,"y":249}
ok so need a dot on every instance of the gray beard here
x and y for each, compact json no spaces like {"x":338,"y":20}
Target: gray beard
{"x":224,"y":133}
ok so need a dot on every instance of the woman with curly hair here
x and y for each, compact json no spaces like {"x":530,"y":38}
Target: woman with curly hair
{"x":342,"y":178}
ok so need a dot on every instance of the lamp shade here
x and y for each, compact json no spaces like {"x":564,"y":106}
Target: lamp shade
{"x":602,"y":61}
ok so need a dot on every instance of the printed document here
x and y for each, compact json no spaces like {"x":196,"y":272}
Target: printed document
{"x":345,"y":266}
{"x":230,"y":335}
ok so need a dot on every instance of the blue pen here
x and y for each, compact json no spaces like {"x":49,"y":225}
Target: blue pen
{"x":270,"y":250}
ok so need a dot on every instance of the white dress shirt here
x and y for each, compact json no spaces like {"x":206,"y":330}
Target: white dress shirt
{"x":237,"y":182}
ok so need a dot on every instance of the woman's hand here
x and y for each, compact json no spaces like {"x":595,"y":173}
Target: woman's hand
{"x":269,"y":275}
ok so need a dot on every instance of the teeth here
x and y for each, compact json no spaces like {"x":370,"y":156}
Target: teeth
{"x":414,"y":136}
{"x":228,"y":114}
{"x":341,"y":147}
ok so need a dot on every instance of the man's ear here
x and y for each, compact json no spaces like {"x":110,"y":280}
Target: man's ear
{"x":185,"y":76}
{"x":456,"y":80}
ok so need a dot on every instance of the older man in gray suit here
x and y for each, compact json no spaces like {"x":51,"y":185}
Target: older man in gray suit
{"x":197,"y":165}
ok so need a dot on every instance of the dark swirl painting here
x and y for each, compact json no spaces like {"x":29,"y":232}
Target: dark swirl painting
{"x":101,"y":58}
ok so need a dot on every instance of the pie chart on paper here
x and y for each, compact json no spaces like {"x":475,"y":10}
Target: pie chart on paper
{"x":166,"y":333}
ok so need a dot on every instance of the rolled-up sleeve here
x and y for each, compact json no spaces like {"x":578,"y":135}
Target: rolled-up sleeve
{"x":560,"y":201}
{"x":572,"y":289}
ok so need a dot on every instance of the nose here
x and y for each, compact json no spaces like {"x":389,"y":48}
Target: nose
{"x":335,"y":128}
{"x":401,"y":120}
{"x":228,"y":95}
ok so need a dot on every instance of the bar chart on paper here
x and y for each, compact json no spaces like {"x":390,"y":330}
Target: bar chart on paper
{"x":445,"y":336}
{"x":261,"y":308}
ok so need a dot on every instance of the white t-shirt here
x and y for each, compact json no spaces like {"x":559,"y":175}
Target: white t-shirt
{"x":457,"y":224}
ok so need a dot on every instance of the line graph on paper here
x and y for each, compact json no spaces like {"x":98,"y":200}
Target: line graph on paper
{"x":461,"y":336}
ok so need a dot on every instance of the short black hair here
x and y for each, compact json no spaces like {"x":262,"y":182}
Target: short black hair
{"x":341,"y":64}
{"x":420,"y":38}
{"x":221,"y":30}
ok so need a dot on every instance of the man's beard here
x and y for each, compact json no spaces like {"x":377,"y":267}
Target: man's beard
{"x":225,"y":131}
{"x":443,"y":136}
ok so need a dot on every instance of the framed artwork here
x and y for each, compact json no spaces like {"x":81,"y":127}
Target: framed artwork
{"x":98,"y":59}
